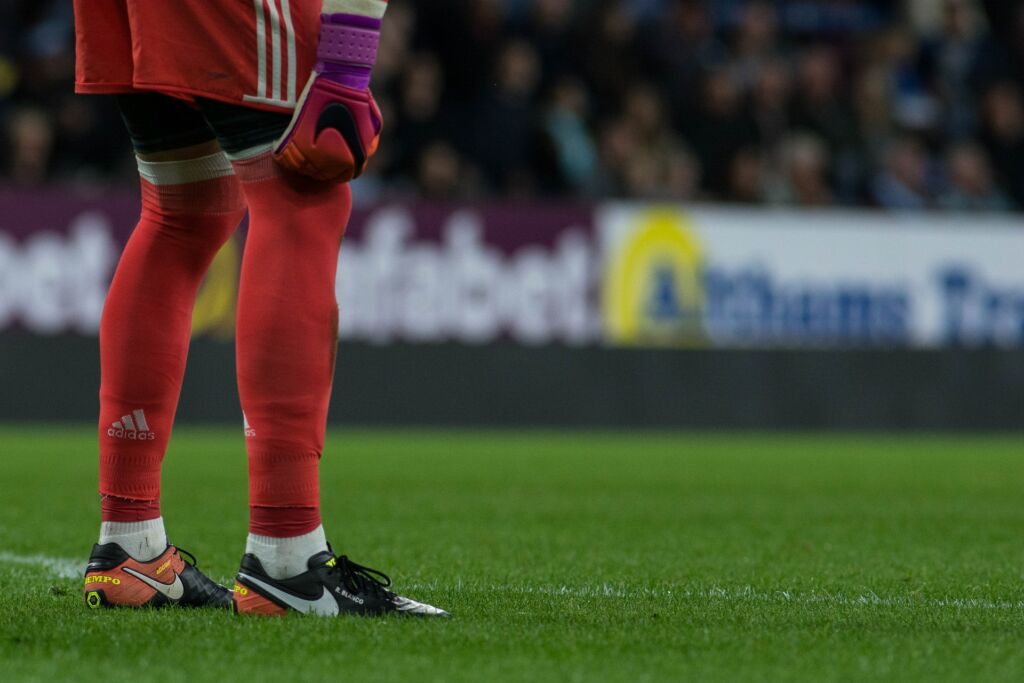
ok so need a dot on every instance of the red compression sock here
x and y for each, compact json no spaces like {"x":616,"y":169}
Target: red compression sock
{"x":189,"y":209}
{"x":287,"y":339}
{"x":117,"y":509}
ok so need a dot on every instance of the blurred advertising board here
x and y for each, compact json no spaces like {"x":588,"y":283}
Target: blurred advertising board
{"x":763,"y":278}
{"x":611,"y":274}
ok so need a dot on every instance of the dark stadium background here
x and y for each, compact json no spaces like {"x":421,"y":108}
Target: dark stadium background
{"x":527,"y":111}
{"x":890,"y":104}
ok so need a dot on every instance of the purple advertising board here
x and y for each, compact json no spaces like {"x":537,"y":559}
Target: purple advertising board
{"x":417,"y":273}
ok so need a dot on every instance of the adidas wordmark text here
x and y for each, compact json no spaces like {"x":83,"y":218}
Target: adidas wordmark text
{"x":132,"y":428}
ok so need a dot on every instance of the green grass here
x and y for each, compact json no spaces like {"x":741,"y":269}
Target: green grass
{"x":563,"y":556}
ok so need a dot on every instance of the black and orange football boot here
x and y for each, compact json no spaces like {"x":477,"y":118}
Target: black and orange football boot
{"x":332,"y":586}
{"x":115,"y":579}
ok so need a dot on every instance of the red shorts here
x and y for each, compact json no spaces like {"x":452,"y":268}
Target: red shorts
{"x":254,"y":52}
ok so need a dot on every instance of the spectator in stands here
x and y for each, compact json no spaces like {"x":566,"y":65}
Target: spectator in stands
{"x":678,"y":48}
{"x":915,"y":105}
{"x":503,"y":131}
{"x":873,"y":111}
{"x":747,"y":177}
{"x":757,"y":41}
{"x":1003,"y":135}
{"x":30,"y":134}
{"x":617,"y":142}
{"x":771,"y":93}
{"x":609,"y":55}
{"x":904,"y":182}
{"x":971,"y":186}
{"x":954,"y":60}
{"x":721,"y":128}
{"x":419,"y":120}
{"x":805,"y":164}
{"x":550,"y":30}
{"x":819,"y":105}
{"x":566,"y":125}
{"x":442,"y":173}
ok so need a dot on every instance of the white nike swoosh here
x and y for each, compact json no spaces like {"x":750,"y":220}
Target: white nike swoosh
{"x":174,"y":590}
{"x":422,"y":608}
{"x":325,"y":605}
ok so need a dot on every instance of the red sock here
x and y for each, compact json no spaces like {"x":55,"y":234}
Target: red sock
{"x":117,"y":509}
{"x":189,"y":209}
{"x":287,"y":339}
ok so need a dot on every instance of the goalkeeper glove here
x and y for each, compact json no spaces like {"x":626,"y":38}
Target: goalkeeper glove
{"x":337,"y":124}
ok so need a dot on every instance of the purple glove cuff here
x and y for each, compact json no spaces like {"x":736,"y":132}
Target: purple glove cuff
{"x":343,"y":44}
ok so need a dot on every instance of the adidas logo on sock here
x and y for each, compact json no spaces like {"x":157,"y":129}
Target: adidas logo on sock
{"x":249,"y":431}
{"x":132,"y":427}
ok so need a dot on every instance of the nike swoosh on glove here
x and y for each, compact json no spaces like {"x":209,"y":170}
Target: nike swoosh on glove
{"x":336,"y":128}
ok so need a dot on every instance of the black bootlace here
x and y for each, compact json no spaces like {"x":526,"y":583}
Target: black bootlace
{"x":190,"y":556}
{"x":358,"y":578}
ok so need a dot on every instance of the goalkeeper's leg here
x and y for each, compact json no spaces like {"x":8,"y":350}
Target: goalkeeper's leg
{"x":287,"y":330}
{"x":287,"y":341}
{"x":191,"y":203}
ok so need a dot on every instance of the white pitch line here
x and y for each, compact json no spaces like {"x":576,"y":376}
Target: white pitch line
{"x":61,"y":567}
{"x":744,"y":594}
{"x":65,"y":568}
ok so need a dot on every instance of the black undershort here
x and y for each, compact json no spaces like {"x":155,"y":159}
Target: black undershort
{"x":159,"y":123}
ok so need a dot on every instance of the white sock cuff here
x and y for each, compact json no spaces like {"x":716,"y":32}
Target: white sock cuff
{"x":143,"y":541}
{"x":186,"y":171}
{"x":314,"y":539}
{"x":374,"y":9}
{"x":285,"y":557}
{"x":122,"y":528}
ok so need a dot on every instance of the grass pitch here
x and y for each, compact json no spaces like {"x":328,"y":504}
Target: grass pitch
{"x":564,"y":557}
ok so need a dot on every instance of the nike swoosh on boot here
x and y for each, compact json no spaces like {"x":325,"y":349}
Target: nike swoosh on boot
{"x":325,"y":605}
{"x":174,"y":590}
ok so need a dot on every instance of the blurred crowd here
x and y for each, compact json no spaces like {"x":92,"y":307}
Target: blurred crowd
{"x":905,"y":105}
